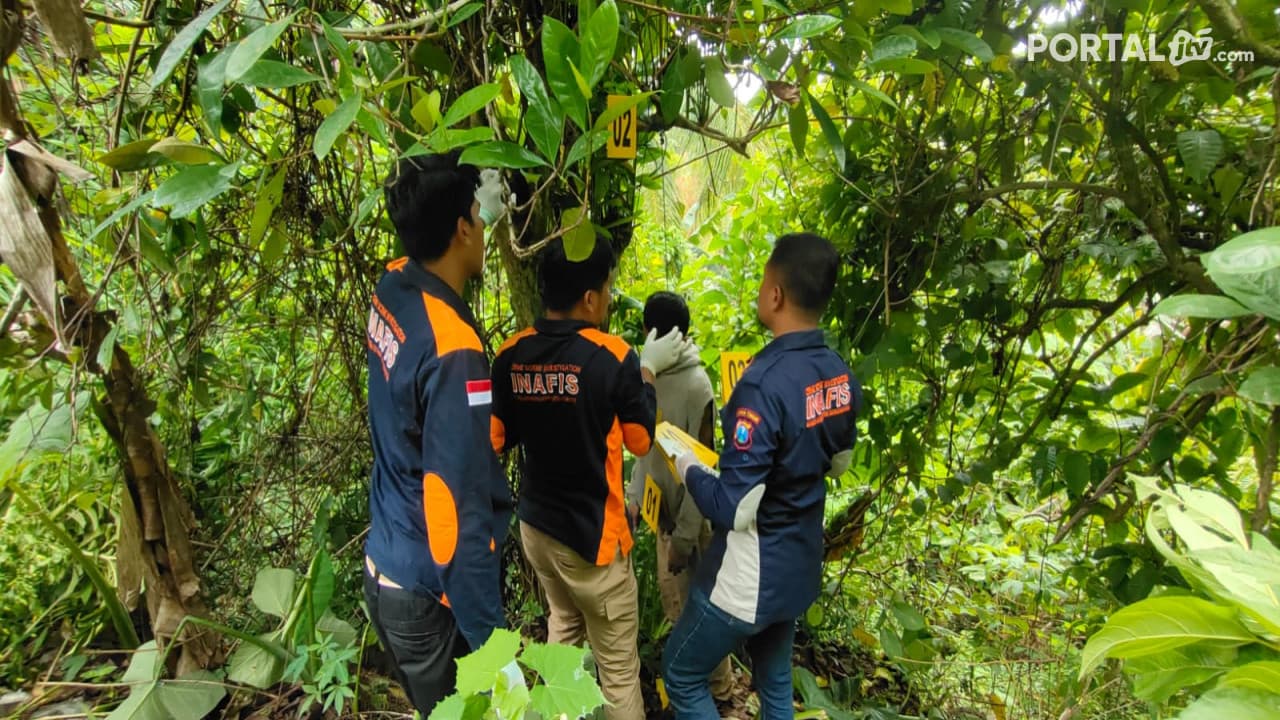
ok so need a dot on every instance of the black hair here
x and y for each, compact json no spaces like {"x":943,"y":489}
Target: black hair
{"x":426,"y":194}
{"x":665,"y":310}
{"x":563,"y":282}
{"x":806,"y":265}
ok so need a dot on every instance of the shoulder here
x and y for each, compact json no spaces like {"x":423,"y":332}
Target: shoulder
{"x":616,"y":346}
{"x":452,"y":333}
{"x":515,"y":340}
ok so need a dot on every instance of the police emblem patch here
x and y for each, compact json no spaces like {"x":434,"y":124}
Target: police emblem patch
{"x":742,"y":434}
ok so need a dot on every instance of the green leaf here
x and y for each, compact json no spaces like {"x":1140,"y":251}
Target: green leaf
{"x":427,"y":111}
{"x":717,"y":83}
{"x":618,"y":109}
{"x":1262,"y":675}
{"x":273,"y":591}
{"x":500,"y":154}
{"x":890,"y":642}
{"x":183,"y":41}
{"x":210,"y":80}
{"x":581,"y":239}
{"x":875,"y":92}
{"x":340,"y":630}
{"x":1233,"y":703}
{"x":192,"y":188}
{"x":897,"y":7}
{"x":544,"y":121}
{"x":192,"y":696}
{"x":478,"y":672}
{"x":910,"y":618}
{"x":892,"y":46}
{"x":444,"y":139}
{"x":464,"y":12}
{"x":558,"y":46}
{"x":186,"y":153}
{"x":1075,"y":472}
{"x":1201,"y":150}
{"x":599,"y":41}
{"x":1247,"y":268}
{"x":966,"y":42}
{"x":276,"y":74}
{"x":905,"y":66}
{"x":321,"y":587}
{"x":1158,"y":677}
{"x":254,"y":666}
{"x":335,"y":125}
{"x":807,"y":26}
{"x":268,"y":200}
{"x":585,"y":146}
{"x":1213,"y":307}
{"x":142,"y":664}
{"x":133,"y":156}
{"x":928,"y":37}
{"x":798,"y":125}
{"x":1163,"y":623}
{"x":566,"y":687}
{"x":251,"y":49}
{"x":470,"y":102}
{"x":1262,"y":386}
{"x":142,"y":704}
{"x":835,"y":142}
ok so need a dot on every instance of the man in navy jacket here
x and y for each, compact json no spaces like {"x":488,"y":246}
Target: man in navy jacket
{"x":439,"y":504}
{"x":789,"y":422}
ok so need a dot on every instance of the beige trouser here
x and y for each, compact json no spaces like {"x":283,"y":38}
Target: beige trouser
{"x":674,"y":589}
{"x":598,"y":604}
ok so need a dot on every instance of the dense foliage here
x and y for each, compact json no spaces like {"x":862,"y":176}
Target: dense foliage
{"x":1040,"y":299}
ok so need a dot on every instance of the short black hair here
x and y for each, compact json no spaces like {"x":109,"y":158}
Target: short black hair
{"x":665,"y":310}
{"x":562,"y":281}
{"x":426,"y":194}
{"x":806,"y":264}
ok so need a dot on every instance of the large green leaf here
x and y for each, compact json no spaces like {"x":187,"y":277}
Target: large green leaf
{"x":470,"y":102}
{"x":192,"y":696}
{"x":269,"y":196}
{"x":1213,"y":307}
{"x":1262,"y":386}
{"x":599,"y":40}
{"x":276,"y":74}
{"x":835,"y":141}
{"x":255,"y":666}
{"x":339,"y":630}
{"x":893,"y":46}
{"x":142,"y":704}
{"x":142,"y":664}
{"x":1233,"y":703}
{"x":1201,"y":150}
{"x":904,"y":66}
{"x":133,"y":156}
{"x":718,"y":83}
{"x":1262,"y":675}
{"x":1163,"y":623}
{"x":558,"y":46}
{"x":502,"y":154}
{"x":186,"y":153}
{"x":798,"y":126}
{"x":566,"y":687}
{"x":1247,"y":268}
{"x":807,"y":26}
{"x":966,"y":42}
{"x":544,"y":120}
{"x":183,"y":41}
{"x":618,"y":109}
{"x":875,"y":93}
{"x":252,"y":48}
{"x":335,"y":125}
{"x":579,"y":236}
{"x":192,"y":188}
{"x":1159,"y":676}
{"x":478,"y":672}
{"x":587,"y":144}
{"x":273,"y":591}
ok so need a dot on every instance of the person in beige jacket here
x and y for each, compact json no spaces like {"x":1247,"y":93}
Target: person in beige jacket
{"x":686,"y":400}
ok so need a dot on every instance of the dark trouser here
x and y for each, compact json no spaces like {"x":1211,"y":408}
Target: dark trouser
{"x":422,"y":638}
{"x":702,"y":637}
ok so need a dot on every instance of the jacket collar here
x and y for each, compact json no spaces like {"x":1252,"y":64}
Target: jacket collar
{"x":547,"y":326}
{"x":801,"y":340}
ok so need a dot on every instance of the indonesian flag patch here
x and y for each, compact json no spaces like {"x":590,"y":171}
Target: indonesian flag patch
{"x":479,"y":392}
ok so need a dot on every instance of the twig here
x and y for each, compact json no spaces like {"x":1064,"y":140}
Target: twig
{"x":11,"y":313}
{"x":113,"y":20}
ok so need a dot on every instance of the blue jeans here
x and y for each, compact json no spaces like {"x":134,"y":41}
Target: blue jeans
{"x":702,"y":637}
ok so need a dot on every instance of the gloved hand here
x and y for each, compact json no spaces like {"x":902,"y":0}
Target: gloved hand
{"x":491,"y":195}
{"x":513,"y":674}
{"x":660,"y":353}
{"x":840,"y":463}
{"x":686,"y":460}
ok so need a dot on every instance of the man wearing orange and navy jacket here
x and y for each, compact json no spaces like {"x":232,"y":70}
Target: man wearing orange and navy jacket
{"x":574,"y":396}
{"x":439,"y":504}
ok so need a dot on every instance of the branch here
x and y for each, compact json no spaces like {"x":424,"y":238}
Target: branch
{"x":11,"y":313}
{"x":1104,"y":190}
{"x":1266,"y":460}
{"x":1224,"y":18}
{"x":113,"y":20}
{"x":425,"y":21}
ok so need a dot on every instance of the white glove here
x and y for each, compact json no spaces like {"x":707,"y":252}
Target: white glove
{"x":686,"y":460}
{"x":660,"y":353}
{"x":840,"y":463}
{"x":491,"y":195}
{"x":513,"y":674}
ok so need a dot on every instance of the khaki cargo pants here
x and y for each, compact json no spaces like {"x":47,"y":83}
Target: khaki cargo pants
{"x":597,"y":604}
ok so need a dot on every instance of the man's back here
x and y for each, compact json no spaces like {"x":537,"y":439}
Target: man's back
{"x":572,"y":395}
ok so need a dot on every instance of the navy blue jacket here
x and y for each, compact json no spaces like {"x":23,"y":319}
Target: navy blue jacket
{"x":439,"y":504}
{"x":793,"y":409}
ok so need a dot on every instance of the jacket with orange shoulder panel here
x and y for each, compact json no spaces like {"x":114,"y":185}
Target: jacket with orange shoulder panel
{"x":439,"y":503}
{"x":573,"y":397}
